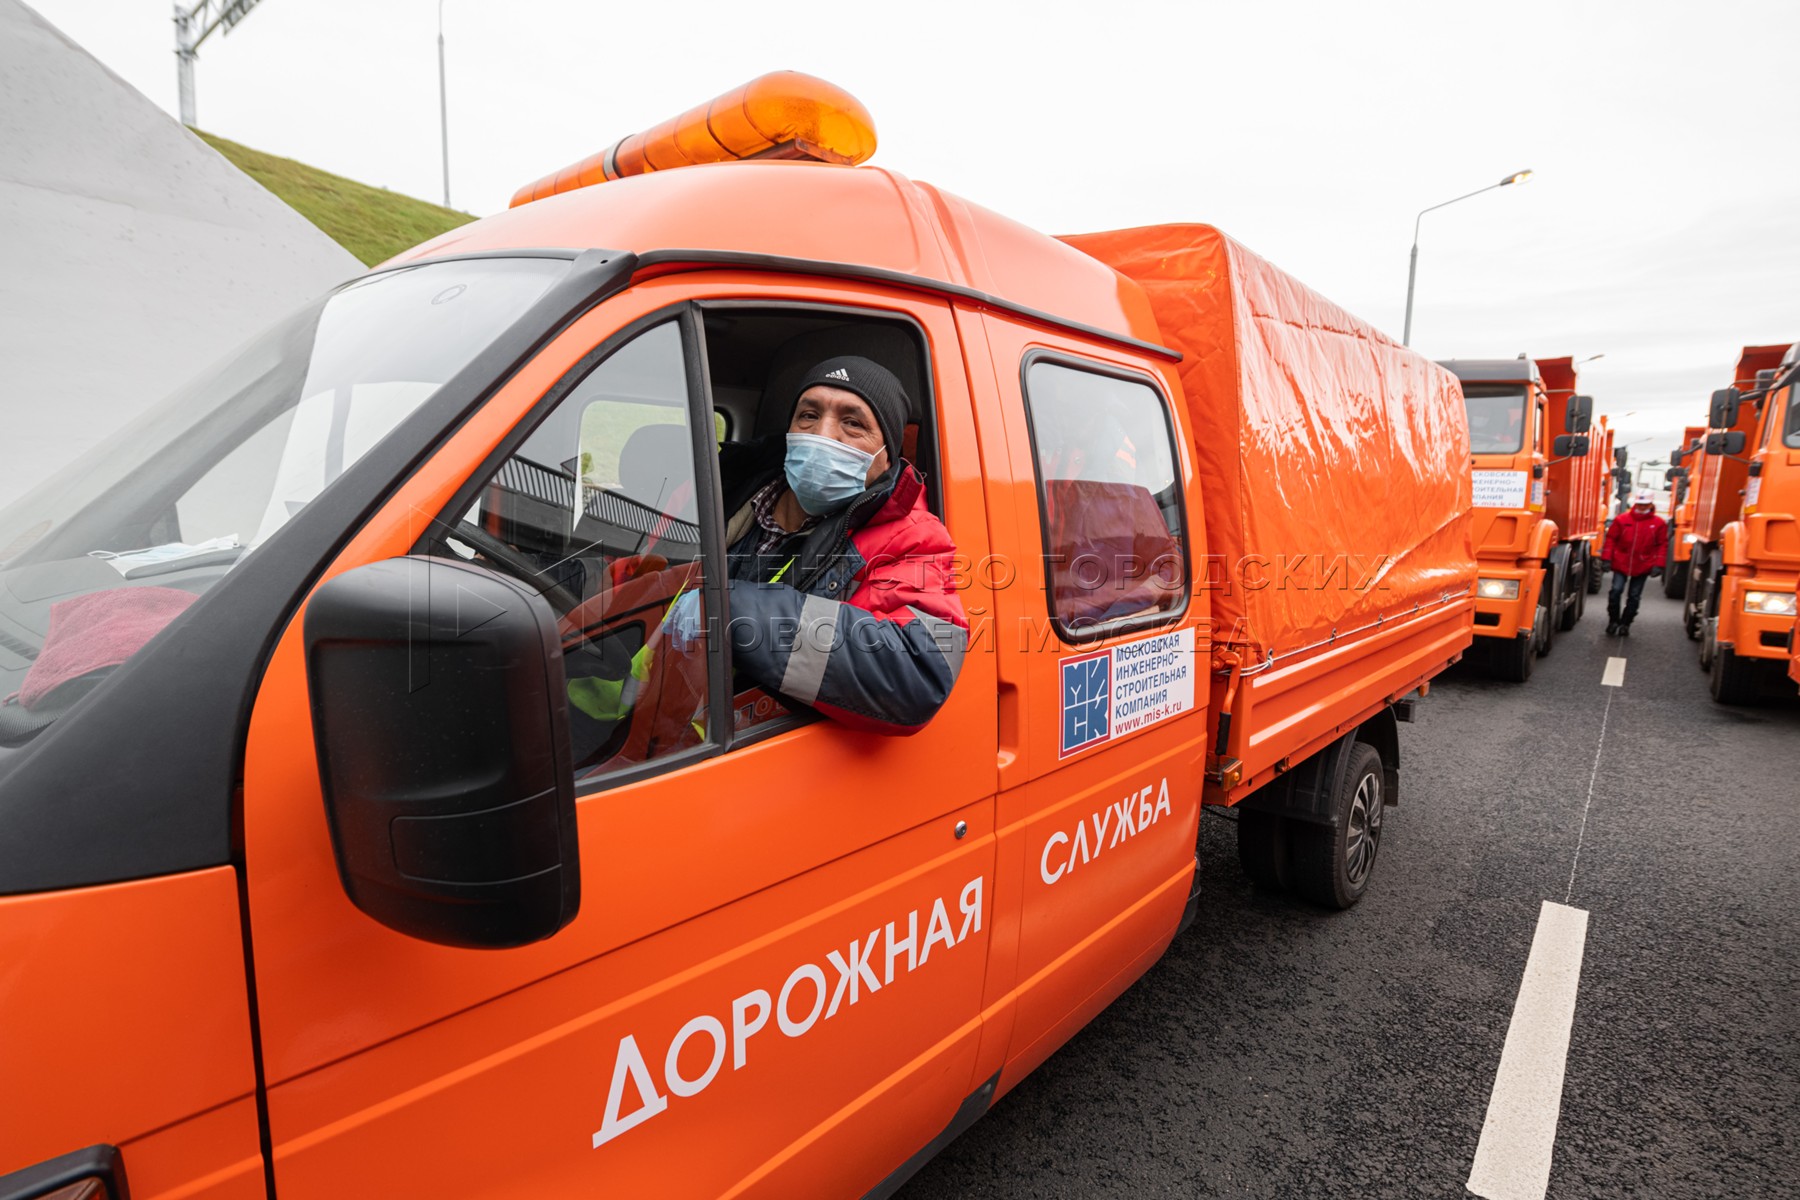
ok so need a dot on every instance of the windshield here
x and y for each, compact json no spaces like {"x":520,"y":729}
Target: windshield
{"x":1496,"y":417}
{"x":96,"y":561}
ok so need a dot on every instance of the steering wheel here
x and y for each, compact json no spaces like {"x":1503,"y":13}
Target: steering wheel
{"x":515,"y":564}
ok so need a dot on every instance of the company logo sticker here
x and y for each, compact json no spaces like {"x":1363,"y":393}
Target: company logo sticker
{"x":1107,"y":694}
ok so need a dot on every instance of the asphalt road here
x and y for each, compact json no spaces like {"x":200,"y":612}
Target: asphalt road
{"x":1281,"y":1051}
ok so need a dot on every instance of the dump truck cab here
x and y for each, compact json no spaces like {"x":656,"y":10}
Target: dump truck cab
{"x":1532,"y":581}
{"x":1749,"y":631}
{"x":1718,"y":477}
{"x":1683,"y":460}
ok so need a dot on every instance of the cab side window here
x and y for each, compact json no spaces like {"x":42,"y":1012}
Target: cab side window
{"x":1110,"y":498}
{"x":597,"y":508}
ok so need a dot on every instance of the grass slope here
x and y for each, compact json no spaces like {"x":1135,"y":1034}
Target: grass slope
{"x":372,"y":223}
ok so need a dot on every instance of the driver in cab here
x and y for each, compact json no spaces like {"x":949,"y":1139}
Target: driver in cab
{"x":840,"y":577}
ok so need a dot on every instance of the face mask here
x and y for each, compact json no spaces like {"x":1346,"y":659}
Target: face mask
{"x":824,"y":473}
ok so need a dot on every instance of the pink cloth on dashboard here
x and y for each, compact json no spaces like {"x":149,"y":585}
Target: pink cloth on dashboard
{"x":100,"y":629}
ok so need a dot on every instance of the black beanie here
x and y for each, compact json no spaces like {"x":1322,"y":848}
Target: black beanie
{"x":878,"y":389}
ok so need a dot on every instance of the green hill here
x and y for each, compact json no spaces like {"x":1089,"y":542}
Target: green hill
{"x":372,"y":223}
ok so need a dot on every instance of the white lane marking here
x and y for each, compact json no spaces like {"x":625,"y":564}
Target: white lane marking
{"x":1512,"y":1160}
{"x":1599,"y":748}
{"x":1615,"y":673}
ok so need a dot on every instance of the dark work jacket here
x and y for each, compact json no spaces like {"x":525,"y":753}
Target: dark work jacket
{"x":865,"y":625}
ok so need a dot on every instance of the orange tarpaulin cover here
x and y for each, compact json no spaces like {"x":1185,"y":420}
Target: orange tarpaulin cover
{"x":1334,"y":462}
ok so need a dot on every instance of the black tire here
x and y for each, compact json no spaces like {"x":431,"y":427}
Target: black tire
{"x":1595,"y":574}
{"x":1735,"y":680}
{"x":1513,"y":659}
{"x":1575,"y":593}
{"x":1332,"y":864}
{"x":1543,"y":625}
{"x":1708,"y":605}
{"x":1692,"y":619}
{"x":1674,"y":574}
{"x":1262,"y":839}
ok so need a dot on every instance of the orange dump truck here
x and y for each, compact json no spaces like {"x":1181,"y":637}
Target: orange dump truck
{"x":1746,"y":588}
{"x":1681,"y":509}
{"x":1717,"y":477}
{"x":320,"y":875}
{"x":1538,"y":520}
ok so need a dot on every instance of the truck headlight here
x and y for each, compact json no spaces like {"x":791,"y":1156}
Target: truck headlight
{"x":1503,"y":589}
{"x":1769,"y":604}
{"x":1688,"y":539}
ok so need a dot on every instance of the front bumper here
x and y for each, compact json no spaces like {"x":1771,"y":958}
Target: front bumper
{"x":1506,"y":618}
{"x":1754,"y":635}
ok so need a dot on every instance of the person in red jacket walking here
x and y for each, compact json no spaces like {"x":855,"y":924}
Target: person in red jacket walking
{"x":1637,"y":546}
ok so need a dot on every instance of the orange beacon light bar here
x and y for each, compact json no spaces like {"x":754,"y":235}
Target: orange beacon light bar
{"x":783,"y":114}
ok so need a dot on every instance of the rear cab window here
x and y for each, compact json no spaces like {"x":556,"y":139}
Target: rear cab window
{"x":1109,"y":494}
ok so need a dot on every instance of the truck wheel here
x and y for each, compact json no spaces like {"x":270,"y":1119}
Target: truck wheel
{"x":1514,"y":660}
{"x":1674,"y":577}
{"x":1575,"y":601}
{"x":1594,"y":576}
{"x":1734,"y":680}
{"x":1263,"y":848}
{"x":1331,"y":864}
{"x":1675,"y":580}
{"x":1691,"y":614}
{"x":1543,"y":626}
{"x":1708,"y":605}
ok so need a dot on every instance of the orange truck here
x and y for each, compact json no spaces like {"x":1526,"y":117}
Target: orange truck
{"x":1748,"y":553}
{"x":316,"y":881}
{"x":1717,"y":478}
{"x":1538,"y":512}
{"x":1681,"y":510}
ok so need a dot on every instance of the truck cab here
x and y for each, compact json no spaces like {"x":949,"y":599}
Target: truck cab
{"x":1718,"y":478}
{"x":1534,"y":575}
{"x":1682,"y":461}
{"x":370,"y":824}
{"x":1749,"y":631}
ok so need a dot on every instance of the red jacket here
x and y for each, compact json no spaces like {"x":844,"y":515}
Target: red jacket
{"x":1635,"y":544}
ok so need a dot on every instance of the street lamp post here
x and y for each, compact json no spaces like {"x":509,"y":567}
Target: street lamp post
{"x":194,"y":25}
{"x":443,"y":105}
{"x":1412,"y":269}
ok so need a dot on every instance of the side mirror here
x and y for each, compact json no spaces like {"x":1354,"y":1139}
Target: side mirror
{"x":1724,"y":412}
{"x":440,"y":719}
{"x":1672,"y":474}
{"x":1725,"y":443}
{"x":1580,"y":414}
{"x":1675,"y":457}
{"x":1620,"y":457}
{"x":1570,"y":445}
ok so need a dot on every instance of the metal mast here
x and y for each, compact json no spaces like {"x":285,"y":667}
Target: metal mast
{"x":194,"y":25}
{"x":443,"y":105}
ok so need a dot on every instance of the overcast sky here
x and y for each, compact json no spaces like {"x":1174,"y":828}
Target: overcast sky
{"x":1662,"y":227}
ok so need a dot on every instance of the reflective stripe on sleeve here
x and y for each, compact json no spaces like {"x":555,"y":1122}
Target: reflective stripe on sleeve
{"x":812,"y":650}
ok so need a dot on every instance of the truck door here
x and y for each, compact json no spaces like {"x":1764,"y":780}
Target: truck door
{"x":1102,"y":647}
{"x":774,"y":980}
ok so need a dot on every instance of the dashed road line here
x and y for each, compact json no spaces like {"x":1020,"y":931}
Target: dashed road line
{"x":1593,"y":776}
{"x":1615,"y":673}
{"x":1518,"y":1137}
